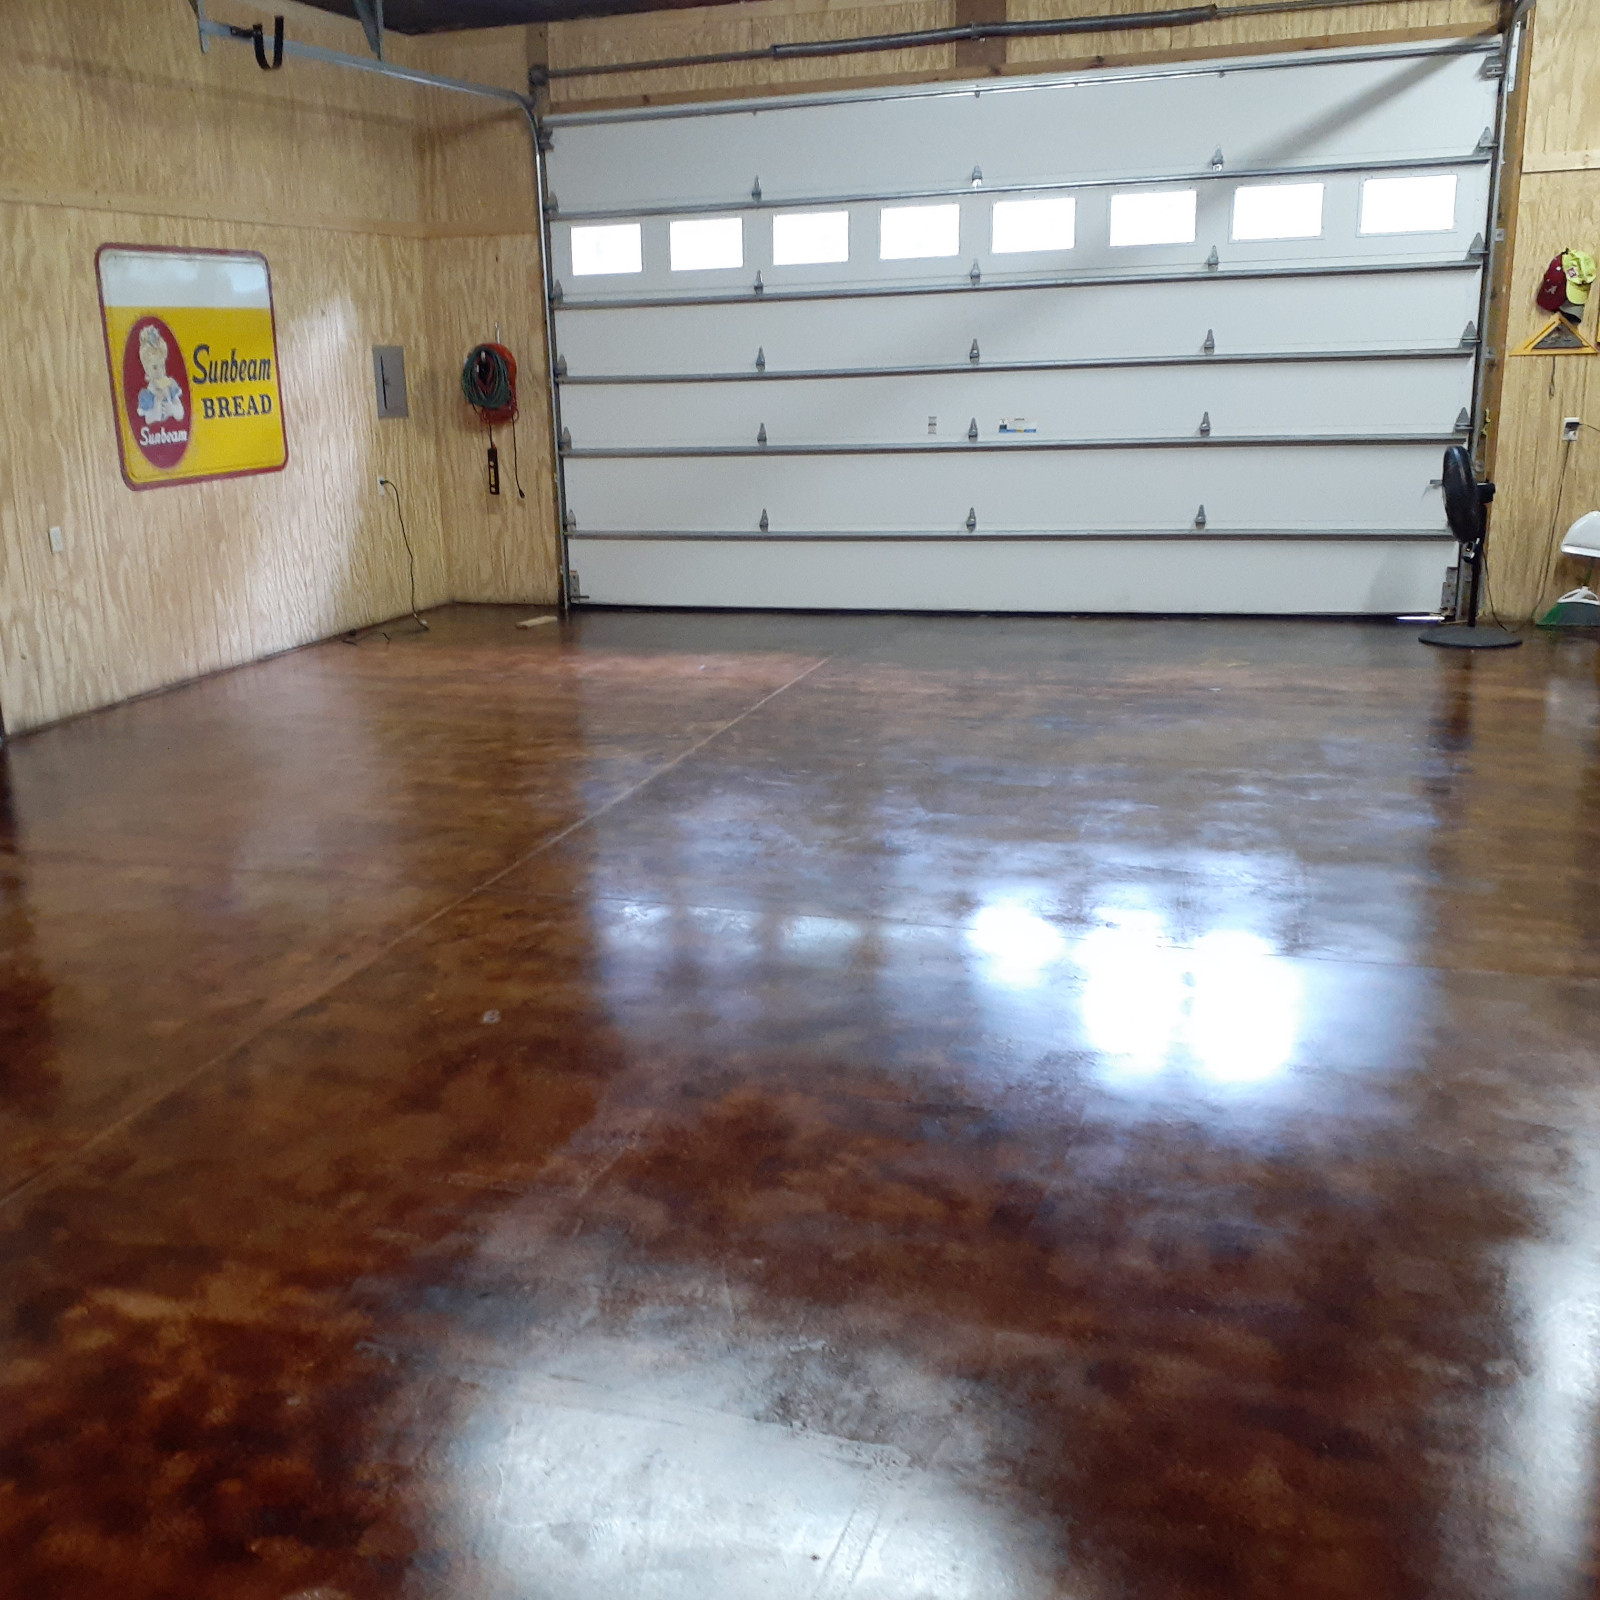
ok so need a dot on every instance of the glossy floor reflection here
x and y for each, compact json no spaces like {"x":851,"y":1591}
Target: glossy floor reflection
{"x":719,"y":1106}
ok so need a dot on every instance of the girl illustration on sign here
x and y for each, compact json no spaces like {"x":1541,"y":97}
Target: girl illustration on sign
{"x":161,"y":396}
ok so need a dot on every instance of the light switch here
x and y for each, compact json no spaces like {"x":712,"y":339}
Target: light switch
{"x":389,"y":379}
{"x":57,"y":543}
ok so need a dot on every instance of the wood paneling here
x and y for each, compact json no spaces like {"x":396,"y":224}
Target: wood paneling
{"x":497,"y":548}
{"x":388,"y":214}
{"x":1544,"y":484}
{"x":712,"y":29}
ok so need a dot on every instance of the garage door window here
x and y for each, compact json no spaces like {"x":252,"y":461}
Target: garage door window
{"x":708,"y":244}
{"x":810,"y":238}
{"x":616,"y":247}
{"x":910,"y":233}
{"x":1164,"y":218}
{"x":1021,"y":225}
{"x":1409,"y":205}
{"x":1278,"y":211}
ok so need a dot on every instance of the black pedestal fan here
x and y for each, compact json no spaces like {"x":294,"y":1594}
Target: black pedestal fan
{"x":1466,"y":503}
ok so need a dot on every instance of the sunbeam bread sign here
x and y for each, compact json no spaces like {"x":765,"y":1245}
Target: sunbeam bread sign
{"x":193,"y":355}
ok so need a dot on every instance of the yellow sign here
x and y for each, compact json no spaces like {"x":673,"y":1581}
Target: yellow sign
{"x":193,"y":355}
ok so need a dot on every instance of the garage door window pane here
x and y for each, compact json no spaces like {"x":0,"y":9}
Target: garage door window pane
{"x":703,"y":246}
{"x":617,"y":247}
{"x":806,"y":238}
{"x":1278,"y":211}
{"x":1021,"y":225}
{"x":1409,"y":205}
{"x":1165,"y":218}
{"x":907,"y":233}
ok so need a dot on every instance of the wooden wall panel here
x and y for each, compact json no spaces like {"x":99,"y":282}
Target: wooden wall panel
{"x":355,"y":189}
{"x":1557,"y":209}
{"x":1564,"y":110}
{"x":158,"y":586}
{"x":707,"y":30}
{"x":497,"y":548}
{"x":718,"y":28}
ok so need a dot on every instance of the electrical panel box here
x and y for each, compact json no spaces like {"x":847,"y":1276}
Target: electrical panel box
{"x":389,"y":377}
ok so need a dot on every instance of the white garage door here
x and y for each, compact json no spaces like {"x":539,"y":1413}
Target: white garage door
{"x":1183,"y":339}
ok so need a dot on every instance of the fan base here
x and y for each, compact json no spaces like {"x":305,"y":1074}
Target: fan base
{"x":1459,"y":636}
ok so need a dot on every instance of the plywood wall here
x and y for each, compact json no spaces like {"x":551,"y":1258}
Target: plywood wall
{"x":388,"y":214}
{"x":1545,"y":485}
{"x":713,"y":29}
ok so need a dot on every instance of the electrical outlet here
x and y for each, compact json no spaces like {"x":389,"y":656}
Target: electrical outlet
{"x":1569,"y":428}
{"x":57,"y":543}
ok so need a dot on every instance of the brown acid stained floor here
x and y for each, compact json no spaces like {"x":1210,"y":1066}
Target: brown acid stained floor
{"x":728,"y":1106}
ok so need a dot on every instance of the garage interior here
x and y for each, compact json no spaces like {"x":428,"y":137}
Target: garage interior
{"x":610,"y":986}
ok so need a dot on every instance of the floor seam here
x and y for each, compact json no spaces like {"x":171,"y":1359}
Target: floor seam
{"x":286,"y":1012}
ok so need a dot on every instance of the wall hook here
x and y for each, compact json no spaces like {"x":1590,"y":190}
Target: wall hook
{"x":972,"y":354}
{"x":972,"y":520}
{"x":1200,"y":517}
{"x":972,"y":429}
{"x":763,"y":522}
{"x":1210,"y":346}
{"x":761,"y":434}
{"x":761,"y":359}
{"x":1205,"y":425}
{"x":259,"y":39}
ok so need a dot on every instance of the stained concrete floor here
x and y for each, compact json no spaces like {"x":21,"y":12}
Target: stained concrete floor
{"x":729,"y":1106}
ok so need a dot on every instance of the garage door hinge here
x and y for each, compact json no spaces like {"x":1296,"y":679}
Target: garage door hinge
{"x":1476,"y":250}
{"x":566,"y":438}
{"x":547,"y":139}
{"x":755,"y":190}
{"x":1463,"y":421}
{"x":1494,"y":66}
{"x":972,"y":520}
{"x":1200,"y":517}
{"x":1205,"y":425}
{"x":763,"y":522}
{"x":1210,"y":346}
{"x":1213,"y":261}
{"x":761,"y":359}
{"x":975,"y":275}
{"x":972,"y":429}
{"x":1486,"y":139}
{"x":761,"y":434}
{"x":759,"y":287}
{"x":972,"y":354}
{"x":1216,"y":160}
{"x":1469,"y":335}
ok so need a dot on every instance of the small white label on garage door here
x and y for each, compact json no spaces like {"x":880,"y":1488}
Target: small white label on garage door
{"x":1018,"y":425}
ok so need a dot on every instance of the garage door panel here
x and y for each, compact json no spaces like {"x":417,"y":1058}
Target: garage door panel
{"x":1043,"y":491}
{"x":1092,"y":251}
{"x":1375,"y":109}
{"x":1158,"y":575}
{"x":1296,"y":397}
{"x":1403,"y":311}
